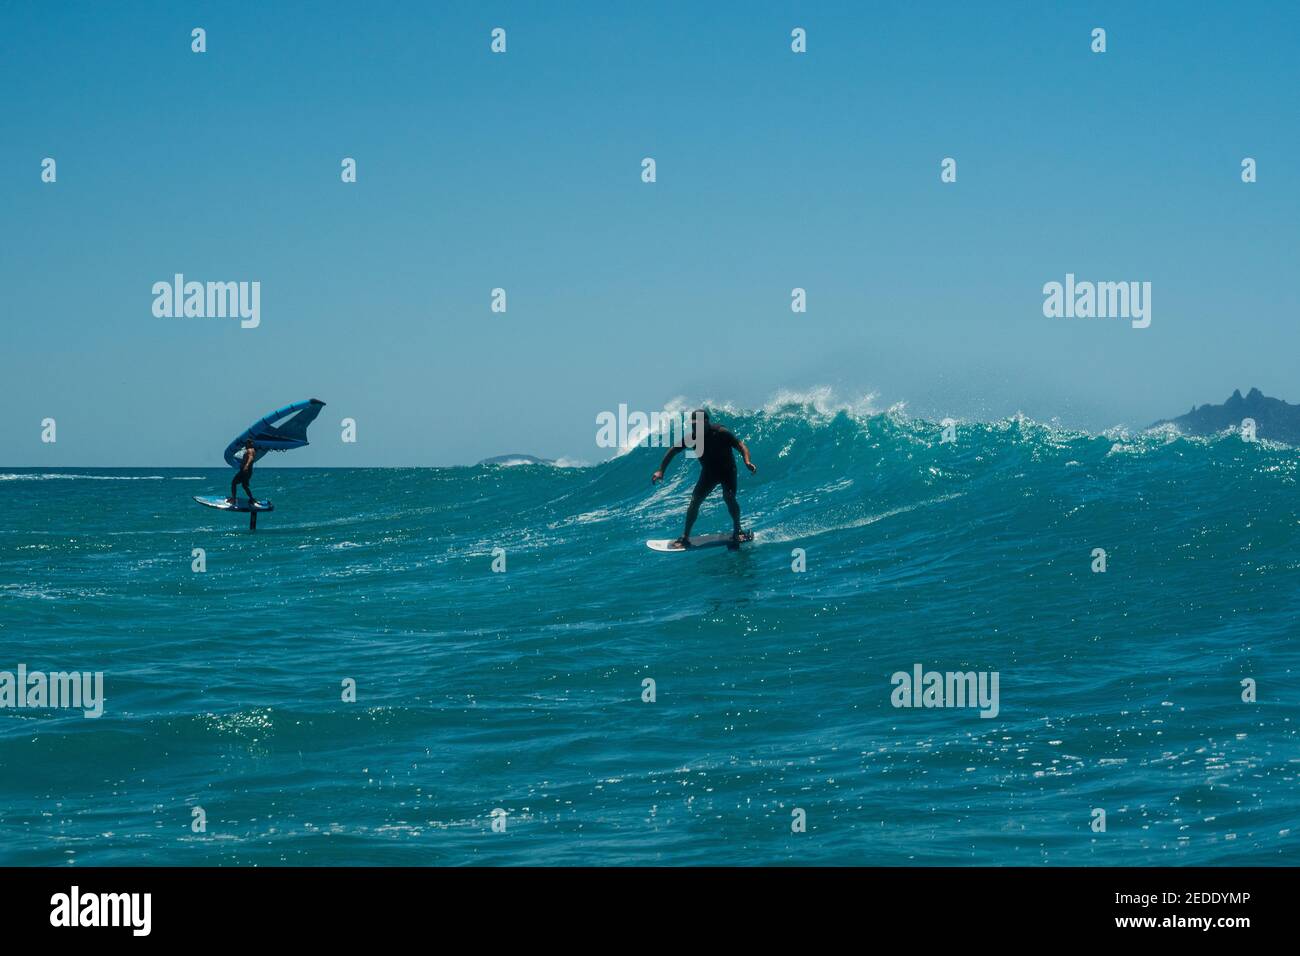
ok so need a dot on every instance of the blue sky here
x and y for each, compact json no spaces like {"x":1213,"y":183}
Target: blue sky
{"x":522,"y":171}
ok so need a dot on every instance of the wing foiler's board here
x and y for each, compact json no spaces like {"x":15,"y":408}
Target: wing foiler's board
{"x":697,"y":541}
{"x":241,"y":504}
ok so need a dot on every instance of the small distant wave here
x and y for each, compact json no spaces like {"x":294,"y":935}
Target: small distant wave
{"x":557,"y":463}
{"x":54,"y":475}
{"x":49,"y":593}
{"x":519,"y":462}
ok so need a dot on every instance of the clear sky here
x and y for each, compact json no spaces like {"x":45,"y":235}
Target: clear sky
{"x":523,"y":171}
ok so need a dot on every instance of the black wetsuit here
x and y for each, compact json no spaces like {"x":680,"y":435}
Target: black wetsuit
{"x":241,"y":477}
{"x":717,"y":464}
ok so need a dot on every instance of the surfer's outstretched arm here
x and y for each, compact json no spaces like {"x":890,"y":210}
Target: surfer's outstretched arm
{"x":744,"y":453}
{"x":663,"y":465}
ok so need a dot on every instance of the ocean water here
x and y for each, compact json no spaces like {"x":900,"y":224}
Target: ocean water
{"x":523,"y":691}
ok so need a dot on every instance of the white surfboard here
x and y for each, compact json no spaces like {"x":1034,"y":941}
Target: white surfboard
{"x":697,"y":541}
{"x":241,"y":504}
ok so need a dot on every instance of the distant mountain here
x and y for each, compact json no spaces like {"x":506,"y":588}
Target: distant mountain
{"x":1274,"y":418}
{"x":516,"y":460}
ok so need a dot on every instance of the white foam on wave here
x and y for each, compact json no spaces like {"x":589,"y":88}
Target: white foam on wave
{"x":780,"y":532}
{"x":822,"y":401}
{"x":819,"y":401}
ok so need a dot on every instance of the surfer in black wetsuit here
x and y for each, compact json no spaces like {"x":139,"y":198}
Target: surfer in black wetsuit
{"x":245,"y":472}
{"x":713,"y":444}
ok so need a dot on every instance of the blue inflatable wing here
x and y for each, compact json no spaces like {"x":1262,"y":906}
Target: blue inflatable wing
{"x":281,"y":430}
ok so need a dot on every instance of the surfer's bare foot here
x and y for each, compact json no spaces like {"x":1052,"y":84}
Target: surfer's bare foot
{"x":682,"y":543}
{"x":230,"y":501}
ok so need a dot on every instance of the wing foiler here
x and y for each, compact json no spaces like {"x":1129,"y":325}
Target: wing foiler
{"x":281,"y":430}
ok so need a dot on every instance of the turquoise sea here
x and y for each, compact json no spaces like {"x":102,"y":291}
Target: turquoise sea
{"x":524,"y":690}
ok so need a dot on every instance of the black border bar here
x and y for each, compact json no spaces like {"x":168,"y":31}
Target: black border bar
{"x":296,"y":905}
